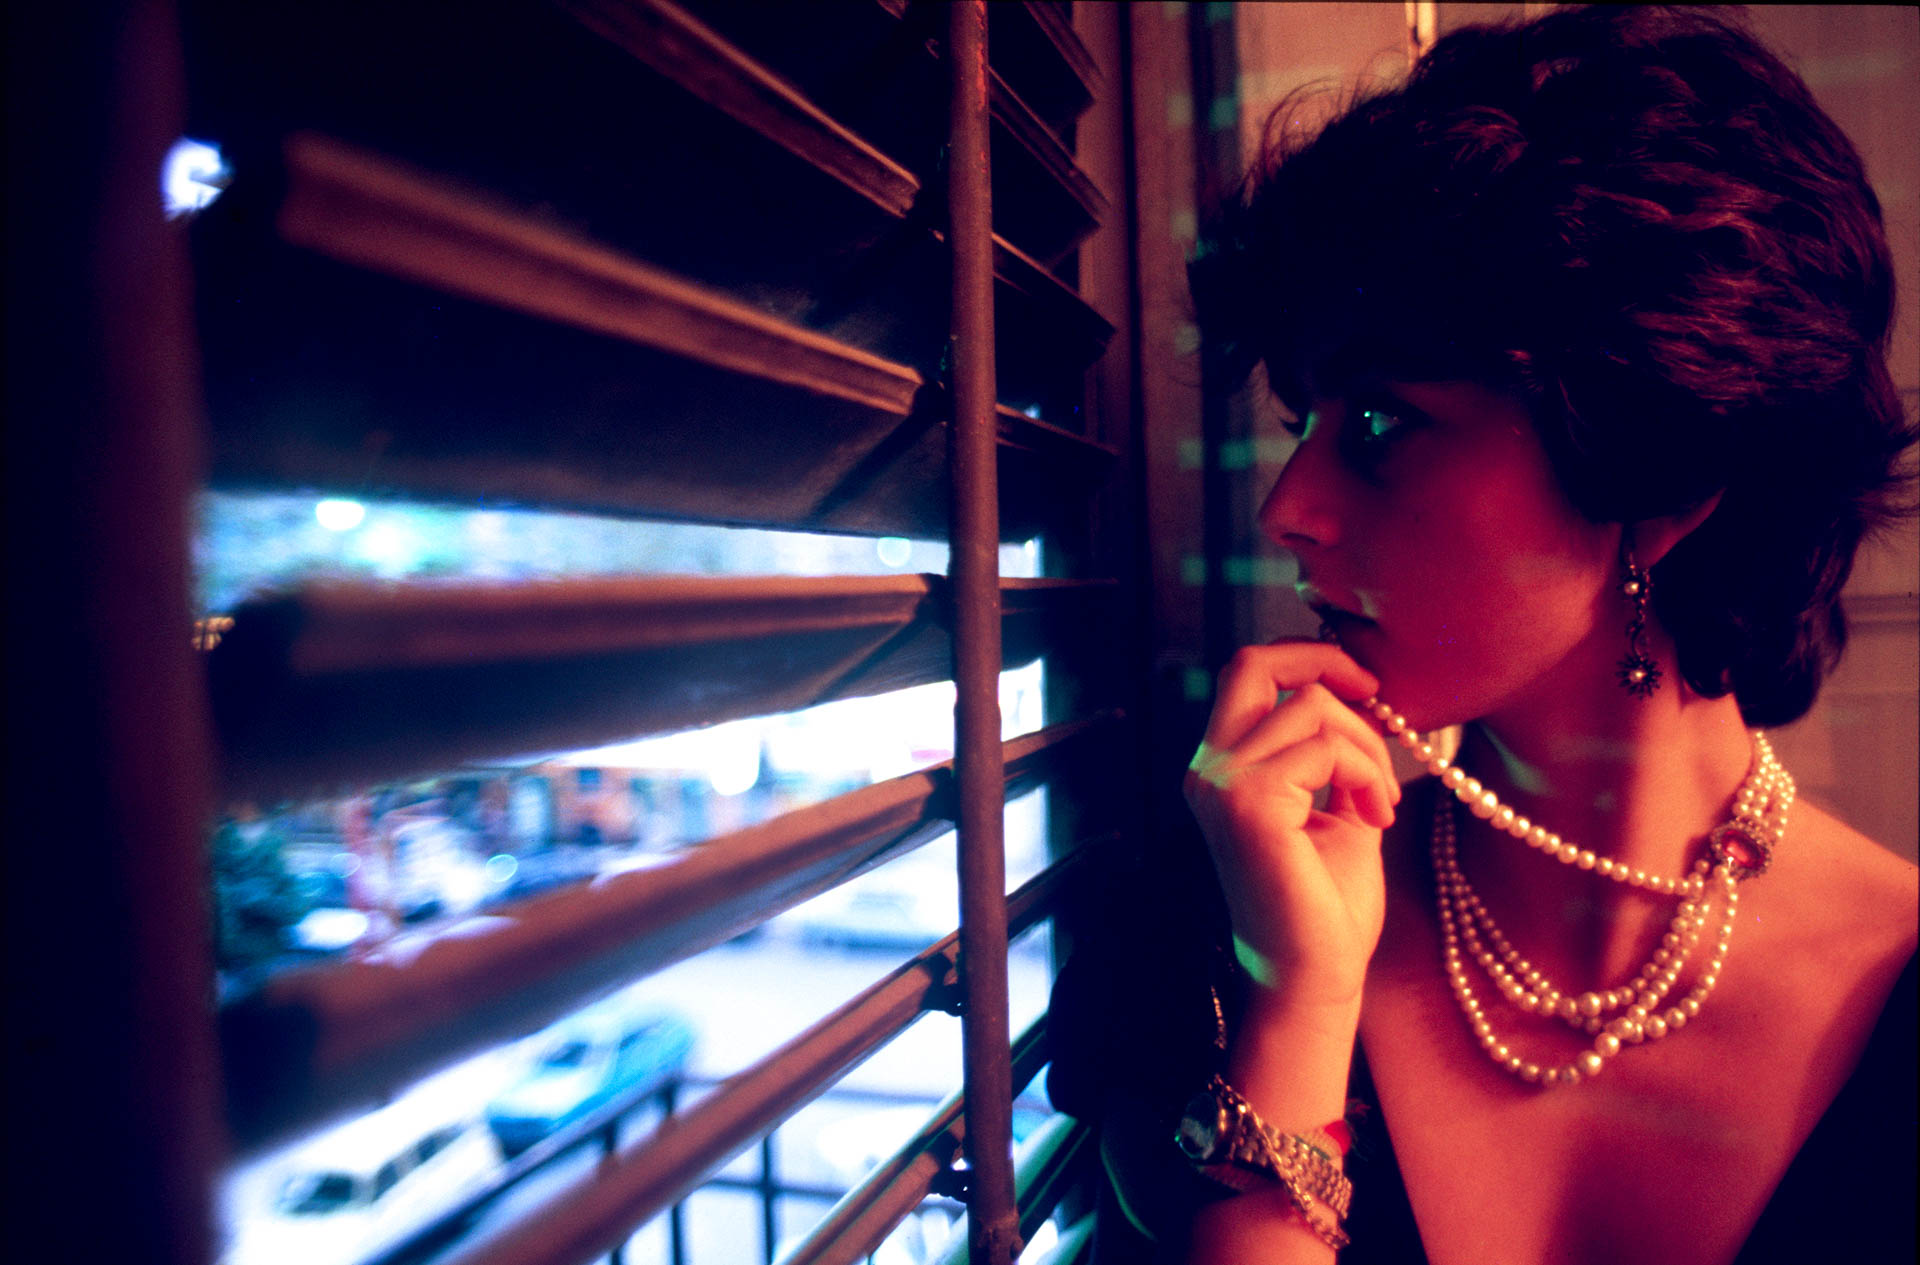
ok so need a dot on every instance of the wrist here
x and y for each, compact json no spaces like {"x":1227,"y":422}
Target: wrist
{"x":1292,"y":1057}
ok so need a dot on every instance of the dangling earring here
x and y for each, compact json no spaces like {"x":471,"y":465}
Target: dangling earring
{"x":1639,"y":674}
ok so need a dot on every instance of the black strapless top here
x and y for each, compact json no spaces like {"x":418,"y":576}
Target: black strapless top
{"x":1127,"y":1065}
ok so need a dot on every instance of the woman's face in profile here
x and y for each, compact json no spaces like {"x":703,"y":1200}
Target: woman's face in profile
{"x":1436,"y":543}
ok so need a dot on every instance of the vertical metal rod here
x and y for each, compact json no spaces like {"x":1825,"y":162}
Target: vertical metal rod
{"x":676,"y":1215}
{"x":768,"y":1231}
{"x":975,"y":574}
{"x":609,"y":1147}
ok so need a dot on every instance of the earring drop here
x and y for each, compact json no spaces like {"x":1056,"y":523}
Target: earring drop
{"x":1639,"y":674}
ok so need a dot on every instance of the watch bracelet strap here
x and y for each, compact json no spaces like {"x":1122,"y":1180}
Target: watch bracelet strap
{"x":1238,"y":1178}
{"x":1296,"y":1161}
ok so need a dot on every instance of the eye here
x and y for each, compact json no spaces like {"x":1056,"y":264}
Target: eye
{"x":1378,"y":424}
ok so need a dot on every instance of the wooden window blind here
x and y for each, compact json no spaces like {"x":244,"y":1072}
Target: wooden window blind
{"x":815,"y":267}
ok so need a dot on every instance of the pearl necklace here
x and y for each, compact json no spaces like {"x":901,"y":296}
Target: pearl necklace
{"x":1638,"y":1012}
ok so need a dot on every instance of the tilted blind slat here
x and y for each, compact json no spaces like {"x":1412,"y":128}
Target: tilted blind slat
{"x":341,"y":685}
{"x":857,"y":1225}
{"x":1051,"y":1160}
{"x":407,"y":395}
{"x":601,"y":1210}
{"x":375,"y":213}
{"x":668,"y":39}
{"x":319,"y":1040}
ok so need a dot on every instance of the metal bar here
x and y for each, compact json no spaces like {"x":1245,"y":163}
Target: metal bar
{"x":605,"y":1206}
{"x":602,"y":1208}
{"x":677,"y":1214}
{"x":1048,"y":1160}
{"x":319,"y":1042}
{"x":861,"y":1221}
{"x":976,"y":596}
{"x":767,"y":1189}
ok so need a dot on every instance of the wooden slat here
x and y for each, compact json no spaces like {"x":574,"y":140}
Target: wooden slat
{"x":856,"y":1226}
{"x":335,"y":687}
{"x":341,"y":379}
{"x":1039,"y":172}
{"x":1046,"y":314}
{"x":1062,"y":60}
{"x":602,"y":1208}
{"x":668,"y":39}
{"x":313,"y":1043}
{"x":1051,"y":1159}
{"x":887,"y":87}
{"x":373,"y":213}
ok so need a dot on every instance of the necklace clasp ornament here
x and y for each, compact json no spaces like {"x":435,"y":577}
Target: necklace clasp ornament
{"x":1741,"y":844}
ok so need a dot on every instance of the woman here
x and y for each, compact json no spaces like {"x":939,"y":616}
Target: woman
{"x":1584,"y":331}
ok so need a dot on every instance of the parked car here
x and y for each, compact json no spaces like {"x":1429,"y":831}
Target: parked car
{"x":366,"y":1188}
{"x":614,"y":1048}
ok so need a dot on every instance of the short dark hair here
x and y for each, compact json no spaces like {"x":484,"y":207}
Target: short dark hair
{"x":1639,"y":220}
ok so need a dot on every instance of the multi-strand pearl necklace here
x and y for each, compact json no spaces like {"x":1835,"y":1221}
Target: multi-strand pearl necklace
{"x":1615,"y":1018}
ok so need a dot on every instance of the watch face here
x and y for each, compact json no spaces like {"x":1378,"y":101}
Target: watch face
{"x":1201,"y":1127}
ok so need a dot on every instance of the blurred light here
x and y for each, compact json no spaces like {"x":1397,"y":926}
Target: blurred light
{"x":501,"y":868}
{"x":191,"y":176}
{"x":340,"y":515}
{"x":893,"y":550}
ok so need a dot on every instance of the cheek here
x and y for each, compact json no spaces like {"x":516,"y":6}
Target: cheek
{"x":1479,"y":606}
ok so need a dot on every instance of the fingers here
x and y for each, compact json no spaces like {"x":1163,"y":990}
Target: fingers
{"x":1309,"y":710}
{"x":1250,"y":796}
{"x":1256,"y":675}
{"x":1335,"y":760}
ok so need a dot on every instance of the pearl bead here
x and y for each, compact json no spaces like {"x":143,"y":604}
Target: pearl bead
{"x":1626,"y":1029}
{"x":1468,"y":928}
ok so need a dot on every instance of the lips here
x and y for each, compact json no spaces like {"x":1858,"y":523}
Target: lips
{"x":1329,"y":609}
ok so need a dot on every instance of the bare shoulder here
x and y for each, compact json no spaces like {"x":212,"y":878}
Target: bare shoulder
{"x":1840,"y":898}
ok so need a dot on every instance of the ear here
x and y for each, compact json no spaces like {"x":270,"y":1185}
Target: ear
{"x":1653,"y":538}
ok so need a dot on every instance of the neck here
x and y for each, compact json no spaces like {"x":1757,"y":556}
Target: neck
{"x":1637,"y":781}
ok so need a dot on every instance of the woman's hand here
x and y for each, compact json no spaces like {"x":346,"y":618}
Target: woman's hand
{"x":1303,"y":885}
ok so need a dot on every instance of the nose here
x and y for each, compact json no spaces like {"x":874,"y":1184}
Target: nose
{"x":1300,"y":510}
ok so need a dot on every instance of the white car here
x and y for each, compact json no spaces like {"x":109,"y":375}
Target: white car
{"x":365,"y":1188}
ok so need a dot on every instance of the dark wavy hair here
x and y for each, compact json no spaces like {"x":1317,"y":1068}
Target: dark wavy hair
{"x":1638,"y":219}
